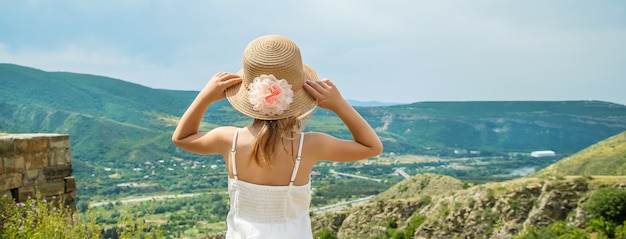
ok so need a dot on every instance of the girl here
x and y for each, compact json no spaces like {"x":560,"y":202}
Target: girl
{"x":270,"y":160}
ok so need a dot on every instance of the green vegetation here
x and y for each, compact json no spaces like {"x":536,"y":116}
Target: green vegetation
{"x":33,"y":219}
{"x":557,"y":229}
{"x":333,"y":190}
{"x":182,"y":217}
{"x":191,"y":216}
{"x":41,"y":218}
{"x":413,"y":224}
{"x":110,"y":119}
{"x":396,"y":231}
{"x":493,"y":127}
{"x":607,"y":207}
{"x":325,"y":234}
{"x":420,"y":185}
{"x":120,"y":141}
{"x":603,"y":158}
{"x":608,"y":203}
{"x":562,"y":230}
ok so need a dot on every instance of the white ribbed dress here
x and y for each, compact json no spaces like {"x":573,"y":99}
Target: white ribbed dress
{"x":262,"y":211}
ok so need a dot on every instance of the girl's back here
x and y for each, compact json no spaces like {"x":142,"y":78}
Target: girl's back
{"x":269,"y":161}
{"x":262,"y":206}
{"x":283,"y":162}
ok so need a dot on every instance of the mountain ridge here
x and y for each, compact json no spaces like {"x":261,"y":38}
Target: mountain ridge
{"x":433,"y":128}
{"x":113,"y":122}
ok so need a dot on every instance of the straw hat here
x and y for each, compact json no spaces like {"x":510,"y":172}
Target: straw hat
{"x":280,"y":57}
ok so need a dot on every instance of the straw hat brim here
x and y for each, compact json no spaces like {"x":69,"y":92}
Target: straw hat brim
{"x":302,"y":101}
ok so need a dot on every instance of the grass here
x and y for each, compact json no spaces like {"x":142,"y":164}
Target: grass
{"x":420,"y":185}
{"x":46,"y":218}
{"x":191,"y":217}
{"x":603,"y":158}
{"x":43,"y":218}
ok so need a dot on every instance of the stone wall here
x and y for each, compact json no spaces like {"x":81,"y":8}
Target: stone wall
{"x":31,"y":163}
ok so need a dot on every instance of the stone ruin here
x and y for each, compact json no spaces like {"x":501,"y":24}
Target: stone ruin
{"x":37,"y":163}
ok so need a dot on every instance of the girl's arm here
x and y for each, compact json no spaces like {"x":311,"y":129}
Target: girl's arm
{"x":366,"y":143}
{"x":186,"y":135}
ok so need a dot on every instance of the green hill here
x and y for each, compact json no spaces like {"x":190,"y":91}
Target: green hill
{"x":104,"y":114}
{"x":108,"y":119}
{"x":121,"y":125}
{"x":523,"y":126}
{"x":101,"y":110}
{"x":420,"y":185}
{"x":607,"y":157}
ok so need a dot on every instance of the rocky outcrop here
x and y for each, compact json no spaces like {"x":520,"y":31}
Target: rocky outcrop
{"x":374,"y":219}
{"x":483,"y":211}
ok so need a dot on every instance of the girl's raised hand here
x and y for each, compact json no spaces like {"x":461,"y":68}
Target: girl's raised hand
{"x":215,"y":89}
{"x":326,"y":93}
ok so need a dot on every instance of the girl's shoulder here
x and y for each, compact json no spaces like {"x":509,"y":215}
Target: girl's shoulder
{"x":226,"y":129}
{"x":316,"y":137}
{"x":223,"y":133}
{"x":221,"y":138}
{"x":318,"y":145}
{"x":313,"y":134}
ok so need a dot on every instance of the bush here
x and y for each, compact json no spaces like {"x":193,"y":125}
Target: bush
{"x":325,"y":234}
{"x":43,"y":218}
{"x":608,"y":203}
{"x":414,"y":223}
{"x":558,"y":229}
{"x":601,"y":226}
{"x":620,"y":231}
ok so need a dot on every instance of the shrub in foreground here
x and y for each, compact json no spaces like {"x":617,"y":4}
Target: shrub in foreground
{"x":40,"y":218}
{"x":43,"y":218}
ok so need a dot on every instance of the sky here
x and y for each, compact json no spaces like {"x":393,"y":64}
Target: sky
{"x":388,"y":51}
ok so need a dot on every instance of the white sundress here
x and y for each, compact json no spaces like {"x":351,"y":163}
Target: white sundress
{"x":262,"y":211}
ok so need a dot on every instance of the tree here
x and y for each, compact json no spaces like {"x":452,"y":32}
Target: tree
{"x":325,"y":234}
{"x":608,"y":203}
{"x":82,"y":206}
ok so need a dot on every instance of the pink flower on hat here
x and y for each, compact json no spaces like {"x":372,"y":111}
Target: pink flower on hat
{"x":269,"y":95}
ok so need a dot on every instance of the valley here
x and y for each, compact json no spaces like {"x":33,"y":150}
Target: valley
{"x":200,"y":186}
{"x":209,"y":176}
{"x":126,"y":166}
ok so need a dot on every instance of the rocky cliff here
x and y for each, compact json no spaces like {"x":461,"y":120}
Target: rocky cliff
{"x":493,"y":210}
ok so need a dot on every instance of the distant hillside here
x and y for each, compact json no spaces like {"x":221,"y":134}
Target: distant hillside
{"x":107,"y":119}
{"x":111,"y":120}
{"x":607,"y":157}
{"x":436,"y":127}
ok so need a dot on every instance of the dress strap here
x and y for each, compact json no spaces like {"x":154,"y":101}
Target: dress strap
{"x":295,"y":167}
{"x":232,"y":154}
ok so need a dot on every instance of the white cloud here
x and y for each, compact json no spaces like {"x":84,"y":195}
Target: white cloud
{"x":108,"y":62}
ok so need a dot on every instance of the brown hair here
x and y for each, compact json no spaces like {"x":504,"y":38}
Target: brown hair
{"x":271,"y":133}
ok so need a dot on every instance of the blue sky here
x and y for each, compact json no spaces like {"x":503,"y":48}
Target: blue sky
{"x":391,"y":51}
